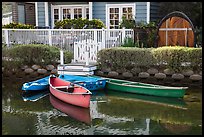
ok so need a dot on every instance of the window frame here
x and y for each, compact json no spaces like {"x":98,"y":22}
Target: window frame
{"x":120,"y":6}
{"x":72,"y":7}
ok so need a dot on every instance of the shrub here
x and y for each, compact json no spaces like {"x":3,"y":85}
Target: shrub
{"x":36,"y":54}
{"x":174,"y":58}
{"x":128,"y":42}
{"x":79,"y":24}
{"x":125,"y":57}
{"x":18,"y":26}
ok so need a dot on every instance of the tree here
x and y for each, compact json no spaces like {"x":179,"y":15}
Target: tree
{"x":192,"y":9}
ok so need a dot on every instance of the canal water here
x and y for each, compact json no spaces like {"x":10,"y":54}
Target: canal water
{"x":110,"y":113}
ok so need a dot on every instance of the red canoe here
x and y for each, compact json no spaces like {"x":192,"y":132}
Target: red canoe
{"x":76,"y":112}
{"x":72,"y":94}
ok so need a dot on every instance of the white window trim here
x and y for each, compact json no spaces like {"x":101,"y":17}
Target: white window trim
{"x":120,"y":6}
{"x":61,"y":7}
{"x":36,"y":13}
{"x":148,"y":12}
{"x":90,"y":10}
{"x":46,"y":14}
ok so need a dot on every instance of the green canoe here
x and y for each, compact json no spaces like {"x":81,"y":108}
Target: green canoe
{"x":143,"y":88}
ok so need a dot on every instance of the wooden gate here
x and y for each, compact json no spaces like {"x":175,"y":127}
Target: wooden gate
{"x":176,"y":31}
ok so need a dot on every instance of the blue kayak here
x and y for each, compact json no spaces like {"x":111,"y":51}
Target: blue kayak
{"x":40,"y":84}
{"x":89,"y":82}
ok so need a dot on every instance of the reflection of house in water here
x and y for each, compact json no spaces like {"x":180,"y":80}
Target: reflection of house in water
{"x":111,"y":120}
{"x":54,"y":122}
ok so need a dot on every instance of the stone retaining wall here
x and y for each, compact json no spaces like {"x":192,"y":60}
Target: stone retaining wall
{"x":165,"y":77}
{"x":162,"y":77}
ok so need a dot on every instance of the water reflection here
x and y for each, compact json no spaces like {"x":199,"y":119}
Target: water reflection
{"x":110,"y":113}
{"x":78,"y":113}
{"x":34,"y":95}
{"x":174,"y":102}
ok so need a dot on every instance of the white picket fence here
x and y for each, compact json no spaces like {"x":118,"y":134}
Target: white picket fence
{"x":74,"y":40}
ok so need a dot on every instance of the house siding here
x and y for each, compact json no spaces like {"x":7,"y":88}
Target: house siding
{"x":154,"y":7}
{"x":30,"y":13}
{"x":99,"y":10}
{"x":41,"y":13}
{"x":141,"y":11}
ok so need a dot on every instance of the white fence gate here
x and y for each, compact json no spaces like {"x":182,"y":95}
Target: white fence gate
{"x":75,"y":40}
{"x":86,"y":50}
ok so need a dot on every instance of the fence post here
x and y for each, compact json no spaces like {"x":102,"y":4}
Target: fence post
{"x":103,"y":39}
{"x":61,"y":57}
{"x":50,"y":37}
{"x":123,"y":34}
{"x":6,"y":37}
{"x":95,"y":36}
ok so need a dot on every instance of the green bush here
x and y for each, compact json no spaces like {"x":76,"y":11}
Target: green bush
{"x":174,"y":58}
{"x":125,"y":57}
{"x":36,"y":54}
{"x":18,"y":26}
{"x":79,"y":24}
{"x":178,"y":58}
{"x":128,"y":42}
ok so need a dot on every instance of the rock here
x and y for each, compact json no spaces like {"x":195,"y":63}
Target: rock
{"x":200,"y":73}
{"x":152,"y":71}
{"x":195,"y":77}
{"x":143,"y":75}
{"x":50,"y":67}
{"x":35,"y":67}
{"x":168,"y":72}
{"x":177,"y":76}
{"x":24,"y":67}
{"x":106,"y":70}
{"x":54,"y":71}
{"x":187,"y":73}
{"x":160,"y":75}
{"x":42,"y":71}
{"x":99,"y":72}
{"x":127,"y":74}
{"x":120,"y":70}
{"x":28,"y":70}
{"x":135,"y":71}
{"x":113,"y":73}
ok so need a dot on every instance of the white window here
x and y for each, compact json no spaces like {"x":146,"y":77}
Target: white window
{"x":61,"y":12}
{"x":115,"y":12}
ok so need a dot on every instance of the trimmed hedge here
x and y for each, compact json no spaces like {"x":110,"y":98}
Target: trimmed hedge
{"x":175,"y":58}
{"x":18,"y":26}
{"x":36,"y":54}
{"x":179,"y":58}
{"x":79,"y":24}
{"x":125,"y":57}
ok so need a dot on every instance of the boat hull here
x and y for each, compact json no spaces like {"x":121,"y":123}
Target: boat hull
{"x":78,"y":113}
{"x":89,"y":82}
{"x":40,"y":84}
{"x":146,"y":90}
{"x":79,"y":97}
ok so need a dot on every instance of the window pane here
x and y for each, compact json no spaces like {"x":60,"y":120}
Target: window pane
{"x":111,"y":10}
{"x":116,"y":10}
{"x":130,"y":10}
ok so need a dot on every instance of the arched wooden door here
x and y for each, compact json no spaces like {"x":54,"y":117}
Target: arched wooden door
{"x":175,"y":31}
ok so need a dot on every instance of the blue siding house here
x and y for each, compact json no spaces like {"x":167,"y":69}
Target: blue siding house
{"x":47,"y":13}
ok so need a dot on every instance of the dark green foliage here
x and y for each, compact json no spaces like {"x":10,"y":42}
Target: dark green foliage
{"x":125,"y":57}
{"x":128,"y":42}
{"x":175,"y":58}
{"x":179,"y":58}
{"x":79,"y":24}
{"x":36,"y":54}
{"x":18,"y":26}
